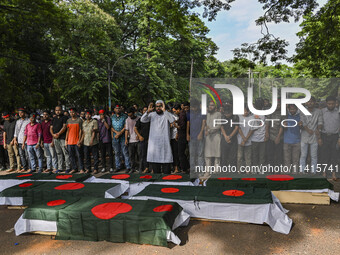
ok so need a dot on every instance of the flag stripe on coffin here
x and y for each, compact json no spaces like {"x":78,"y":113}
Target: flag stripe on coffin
{"x":252,"y":205}
{"x":10,"y":180}
{"x":279,"y":182}
{"x":144,"y":222}
{"x":137,"y":182}
{"x":49,"y":190}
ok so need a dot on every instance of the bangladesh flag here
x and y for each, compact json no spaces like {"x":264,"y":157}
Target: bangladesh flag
{"x":23,"y":176}
{"x":36,"y":191}
{"x":273,"y":182}
{"x":208,"y":194}
{"x":99,"y":219}
{"x":67,"y":177}
{"x":131,"y":178}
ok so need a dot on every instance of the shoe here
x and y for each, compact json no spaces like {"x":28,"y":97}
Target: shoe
{"x":103,"y":170}
{"x":112,"y":171}
{"x":2,"y":168}
{"x":131,"y":171}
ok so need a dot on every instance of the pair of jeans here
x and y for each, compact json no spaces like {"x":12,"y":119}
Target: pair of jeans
{"x":258,"y":153}
{"x":143,"y":151}
{"x":244,"y":156}
{"x":23,"y":153}
{"x":313,"y":154}
{"x":120,"y":148}
{"x":160,"y":167}
{"x":106,"y":148}
{"x":133,"y":154}
{"x":34,"y":153}
{"x":174,"y":150}
{"x":291,"y":154}
{"x":74,"y":154}
{"x":94,"y":150}
{"x":196,"y":148}
{"x":62,"y":153}
{"x":51,"y":156}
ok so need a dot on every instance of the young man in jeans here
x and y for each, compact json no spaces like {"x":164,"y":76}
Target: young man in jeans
{"x":90,"y":141}
{"x":58,"y":131}
{"x":118,"y":138}
{"x":20,"y":126}
{"x":32,"y":135}
{"x":310,"y":136}
{"x":104,"y":129}
{"x":292,"y":138}
{"x":72,"y":141}
{"x":131,"y":139}
{"x":48,"y":144}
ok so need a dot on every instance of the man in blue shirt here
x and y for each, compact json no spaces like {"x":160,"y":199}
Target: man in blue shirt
{"x":118,"y":138}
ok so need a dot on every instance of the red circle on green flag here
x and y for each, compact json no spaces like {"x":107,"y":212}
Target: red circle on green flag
{"x":169,"y":190}
{"x":225,"y":178}
{"x":172,"y":177}
{"x":64,"y":176}
{"x":70,"y":186}
{"x":24,"y":175}
{"x":146,"y":177}
{"x":280,"y":177}
{"x":233,"y":193}
{"x":56,"y":202}
{"x":163,"y":208}
{"x":120,"y":176}
{"x":25,"y":185}
{"x":109,"y":210}
{"x":248,"y":179}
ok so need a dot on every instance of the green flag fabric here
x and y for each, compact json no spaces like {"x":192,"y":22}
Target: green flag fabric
{"x":36,"y":191}
{"x":272,"y":182}
{"x":208,"y":194}
{"x":99,"y":219}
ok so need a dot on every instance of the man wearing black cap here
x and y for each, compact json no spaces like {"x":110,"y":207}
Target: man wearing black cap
{"x":20,"y":126}
{"x":9,"y":145}
{"x":58,"y":131}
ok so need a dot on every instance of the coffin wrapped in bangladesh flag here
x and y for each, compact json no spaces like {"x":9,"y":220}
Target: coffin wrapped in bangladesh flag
{"x":31,"y":192}
{"x":252,"y":205}
{"x":9,"y":180}
{"x":99,"y":219}
{"x":137,"y":182}
{"x":296,"y":183}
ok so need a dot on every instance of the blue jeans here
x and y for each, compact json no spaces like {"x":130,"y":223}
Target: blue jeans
{"x":119,"y":147}
{"x":74,"y":154}
{"x":313,"y":154}
{"x":24,"y":156}
{"x":51,"y":156}
{"x":196,"y":148}
{"x":35,"y":152}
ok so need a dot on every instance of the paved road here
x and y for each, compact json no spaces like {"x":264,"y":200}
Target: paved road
{"x":316,"y":230}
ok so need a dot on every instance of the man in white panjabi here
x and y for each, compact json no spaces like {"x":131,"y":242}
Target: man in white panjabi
{"x":159,"y":153}
{"x":212,"y":148}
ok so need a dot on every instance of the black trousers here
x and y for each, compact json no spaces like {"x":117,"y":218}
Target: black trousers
{"x":160,"y":167}
{"x":174,"y":149}
{"x":258,"y":153}
{"x":183,"y":160}
{"x":328,"y":152}
{"x":143,"y":152}
{"x":3,"y":156}
{"x":228,"y":152}
{"x":274,"y":153}
{"x":134,"y":154}
{"x":87,"y":154}
{"x":106,"y":148}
